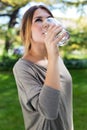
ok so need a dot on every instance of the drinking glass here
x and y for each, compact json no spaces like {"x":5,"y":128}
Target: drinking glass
{"x":51,"y":20}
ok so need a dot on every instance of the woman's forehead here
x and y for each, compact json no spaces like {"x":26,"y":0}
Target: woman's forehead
{"x":41,"y":13}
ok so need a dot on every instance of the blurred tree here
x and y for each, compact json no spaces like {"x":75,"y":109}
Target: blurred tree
{"x":11,"y":8}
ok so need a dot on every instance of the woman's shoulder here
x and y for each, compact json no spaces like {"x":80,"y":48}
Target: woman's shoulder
{"x":22,"y":65}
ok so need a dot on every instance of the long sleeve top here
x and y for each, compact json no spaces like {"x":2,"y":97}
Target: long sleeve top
{"x":43,"y":107}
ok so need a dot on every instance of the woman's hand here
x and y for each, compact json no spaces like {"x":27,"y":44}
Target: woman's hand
{"x":51,"y":40}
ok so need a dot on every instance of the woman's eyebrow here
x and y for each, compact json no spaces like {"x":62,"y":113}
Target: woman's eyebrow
{"x":40,"y":17}
{"x":37,"y":17}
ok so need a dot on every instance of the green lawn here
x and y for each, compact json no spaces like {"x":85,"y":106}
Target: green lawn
{"x":80,"y":98}
{"x":10,"y":111}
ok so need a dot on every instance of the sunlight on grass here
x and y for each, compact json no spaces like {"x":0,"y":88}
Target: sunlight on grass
{"x":4,"y":77}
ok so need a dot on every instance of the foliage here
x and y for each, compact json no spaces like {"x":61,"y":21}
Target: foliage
{"x":7,"y":63}
{"x":78,"y":34}
{"x":82,"y":23}
{"x":23,"y":2}
{"x":78,"y":38}
{"x":76,"y":63}
{"x":11,"y":8}
{"x":15,"y":3}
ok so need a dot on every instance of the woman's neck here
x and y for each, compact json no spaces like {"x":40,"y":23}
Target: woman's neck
{"x":38,"y":51}
{"x":37,"y":56}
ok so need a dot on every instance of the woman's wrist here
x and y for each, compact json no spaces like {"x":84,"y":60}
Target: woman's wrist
{"x":53,"y":60}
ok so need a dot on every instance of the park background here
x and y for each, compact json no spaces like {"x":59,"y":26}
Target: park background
{"x":73,"y":14}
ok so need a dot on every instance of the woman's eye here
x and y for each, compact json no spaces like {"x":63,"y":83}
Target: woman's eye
{"x":38,"y":20}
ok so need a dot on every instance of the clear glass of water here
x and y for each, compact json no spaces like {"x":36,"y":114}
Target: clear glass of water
{"x":51,"y":20}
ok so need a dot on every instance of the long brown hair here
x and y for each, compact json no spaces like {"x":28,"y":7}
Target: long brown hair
{"x":26,"y":25}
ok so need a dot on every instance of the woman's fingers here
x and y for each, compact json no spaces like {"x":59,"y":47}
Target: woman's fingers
{"x":51,"y":33}
{"x":59,"y":37}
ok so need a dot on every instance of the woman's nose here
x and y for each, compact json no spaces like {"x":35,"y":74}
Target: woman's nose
{"x":45,"y":26}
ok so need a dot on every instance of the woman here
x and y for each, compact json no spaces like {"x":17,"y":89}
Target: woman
{"x":43,"y":82}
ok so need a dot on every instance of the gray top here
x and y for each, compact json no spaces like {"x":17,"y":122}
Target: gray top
{"x":43,"y":107}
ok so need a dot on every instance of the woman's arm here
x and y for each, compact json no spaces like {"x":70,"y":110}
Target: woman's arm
{"x":52,"y":75}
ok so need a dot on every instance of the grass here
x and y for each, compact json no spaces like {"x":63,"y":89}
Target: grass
{"x":10,"y":111}
{"x":80,"y":98}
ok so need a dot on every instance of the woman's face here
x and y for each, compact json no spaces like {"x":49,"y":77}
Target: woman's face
{"x":36,"y":29}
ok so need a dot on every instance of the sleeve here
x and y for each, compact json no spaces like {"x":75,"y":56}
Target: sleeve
{"x":41,"y":98}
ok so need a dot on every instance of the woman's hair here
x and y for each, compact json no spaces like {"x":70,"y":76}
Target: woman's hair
{"x":26,"y":25}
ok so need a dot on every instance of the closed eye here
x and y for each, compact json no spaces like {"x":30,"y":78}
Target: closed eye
{"x":38,"y":20}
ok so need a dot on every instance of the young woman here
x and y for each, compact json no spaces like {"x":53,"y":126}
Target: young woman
{"x":44,"y":84}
